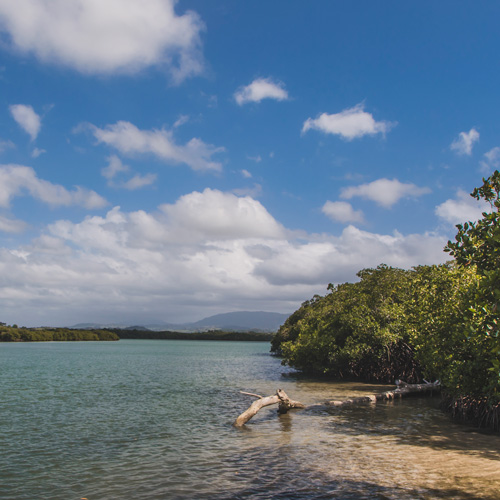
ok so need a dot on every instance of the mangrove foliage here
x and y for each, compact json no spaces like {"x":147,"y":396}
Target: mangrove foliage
{"x":434,"y":322}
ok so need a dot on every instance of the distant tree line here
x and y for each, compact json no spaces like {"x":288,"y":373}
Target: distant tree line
{"x":16,"y":334}
{"x":438,"y":322}
{"x":208,"y":335}
{"x":45,"y":334}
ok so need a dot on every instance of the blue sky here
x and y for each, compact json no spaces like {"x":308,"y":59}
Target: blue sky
{"x":165,"y":161}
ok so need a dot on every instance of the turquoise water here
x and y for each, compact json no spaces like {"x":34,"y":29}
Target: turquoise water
{"x":152,"y":420}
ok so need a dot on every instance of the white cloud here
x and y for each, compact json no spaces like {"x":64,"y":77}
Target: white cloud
{"x":246,"y":174}
{"x":337,"y":259}
{"x":341,"y":211}
{"x":463,"y":145}
{"x":349,"y":124}
{"x":491,"y":162}
{"x":384,"y":192}
{"x":183,"y":119}
{"x":259,"y":89}
{"x":253,"y":192}
{"x":493,"y":156}
{"x":129,"y":140}
{"x":139,"y":181}
{"x":8,"y":225}
{"x":37,"y":152}
{"x":115,"y":168}
{"x":97,"y":37}
{"x":256,"y":159}
{"x":220,"y":215}
{"x":6,"y":145}
{"x":17,"y":179}
{"x":189,"y":259}
{"x":462,"y":209}
{"x":27,"y":119}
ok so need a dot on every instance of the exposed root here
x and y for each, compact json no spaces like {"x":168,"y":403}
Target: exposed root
{"x":479,"y":412}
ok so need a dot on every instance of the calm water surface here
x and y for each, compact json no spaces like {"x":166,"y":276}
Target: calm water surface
{"x":152,"y":420}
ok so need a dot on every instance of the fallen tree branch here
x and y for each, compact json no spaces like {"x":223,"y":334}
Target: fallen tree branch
{"x":403,"y":389}
{"x":285,"y":403}
{"x":251,"y":394}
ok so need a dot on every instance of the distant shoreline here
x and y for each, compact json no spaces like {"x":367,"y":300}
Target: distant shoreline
{"x":16,"y":334}
{"x":208,"y":335}
{"x":44,"y":334}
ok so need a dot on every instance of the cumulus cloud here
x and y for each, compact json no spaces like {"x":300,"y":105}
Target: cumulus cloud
{"x":220,"y":215}
{"x":188,"y":259}
{"x":27,"y":119}
{"x":465,"y":141}
{"x":341,"y":211}
{"x":139,"y":181}
{"x":384,"y":192}
{"x":115,"y":168}
{"x":491,"y":161}
{"x":339,"y":258}
{"x":15,"y":180}
{"x":259,"y":89}
{"x":129,"y":140}
{"x":493,"y":156}
{"x":349,"y":124}
{"x":462,"y":208}
{"x":8,"y":225}
{"x":115,"y":36}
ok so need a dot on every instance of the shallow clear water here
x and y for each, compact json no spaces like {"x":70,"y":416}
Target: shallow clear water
{"x":152,"y":420}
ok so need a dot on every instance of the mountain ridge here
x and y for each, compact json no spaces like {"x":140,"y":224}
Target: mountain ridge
{"x":234,"y":321}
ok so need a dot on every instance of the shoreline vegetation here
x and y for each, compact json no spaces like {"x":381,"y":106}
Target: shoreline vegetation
{"x":45,"y":334}
{"x":252,"y":336}
{"x":438,"y":322}
{"x":397,"y":324}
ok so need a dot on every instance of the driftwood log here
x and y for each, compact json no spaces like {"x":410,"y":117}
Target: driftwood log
{"x":285,"y":403}
{"x":402,"y":390}
{"x":280,"y":398}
